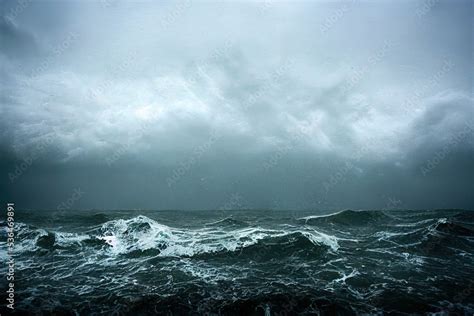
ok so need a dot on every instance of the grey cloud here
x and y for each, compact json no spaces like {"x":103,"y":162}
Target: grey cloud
{"x":16,"y":43}
{"x":116,"y":98}
{"x":441,"y":141}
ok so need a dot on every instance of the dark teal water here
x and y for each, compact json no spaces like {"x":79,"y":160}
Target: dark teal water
{"x":243,"y":262}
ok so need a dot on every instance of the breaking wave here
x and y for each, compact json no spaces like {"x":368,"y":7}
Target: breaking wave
{"x":143,"y":235}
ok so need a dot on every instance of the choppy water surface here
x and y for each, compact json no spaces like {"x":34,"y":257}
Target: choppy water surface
{"x":243,"y":262}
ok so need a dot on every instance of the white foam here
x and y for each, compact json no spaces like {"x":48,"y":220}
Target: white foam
{"x":345,"y":277}
{"x":306,"y":218}
{"x":66,"y":239}
{"x":142,"y":233}
{"x":319,"y":238}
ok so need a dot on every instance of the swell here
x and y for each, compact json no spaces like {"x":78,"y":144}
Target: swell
{"x":348,"y":218}
{"x":432,"y":237}
{"x":143,"y":236}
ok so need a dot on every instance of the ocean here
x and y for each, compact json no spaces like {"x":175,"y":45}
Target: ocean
{"x":242,"y":262}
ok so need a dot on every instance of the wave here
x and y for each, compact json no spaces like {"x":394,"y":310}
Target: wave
{"x":302,"y":243}
{"x":442,"y":237}
{"x":142,"y":233}
{"x":452,"y":228}
{"x":348,"y":218}
{"x":228,"y":221}
{"x":29,"y":238}
{"x":143,"y":236}
{"x":466,"y":217}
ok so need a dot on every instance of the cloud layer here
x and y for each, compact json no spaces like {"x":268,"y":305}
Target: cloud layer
{"x":182,"y":105}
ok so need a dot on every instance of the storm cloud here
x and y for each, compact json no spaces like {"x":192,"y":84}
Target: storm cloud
{"x":185,"y":105}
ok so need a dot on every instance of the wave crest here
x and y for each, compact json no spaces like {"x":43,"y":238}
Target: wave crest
{"x":348,"y":218}
{"x":142,"y":233}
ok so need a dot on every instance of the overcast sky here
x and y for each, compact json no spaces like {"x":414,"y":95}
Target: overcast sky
{"x":206,"y":105}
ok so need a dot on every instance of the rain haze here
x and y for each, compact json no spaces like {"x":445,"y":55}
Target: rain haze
{"x":255,"y":105}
